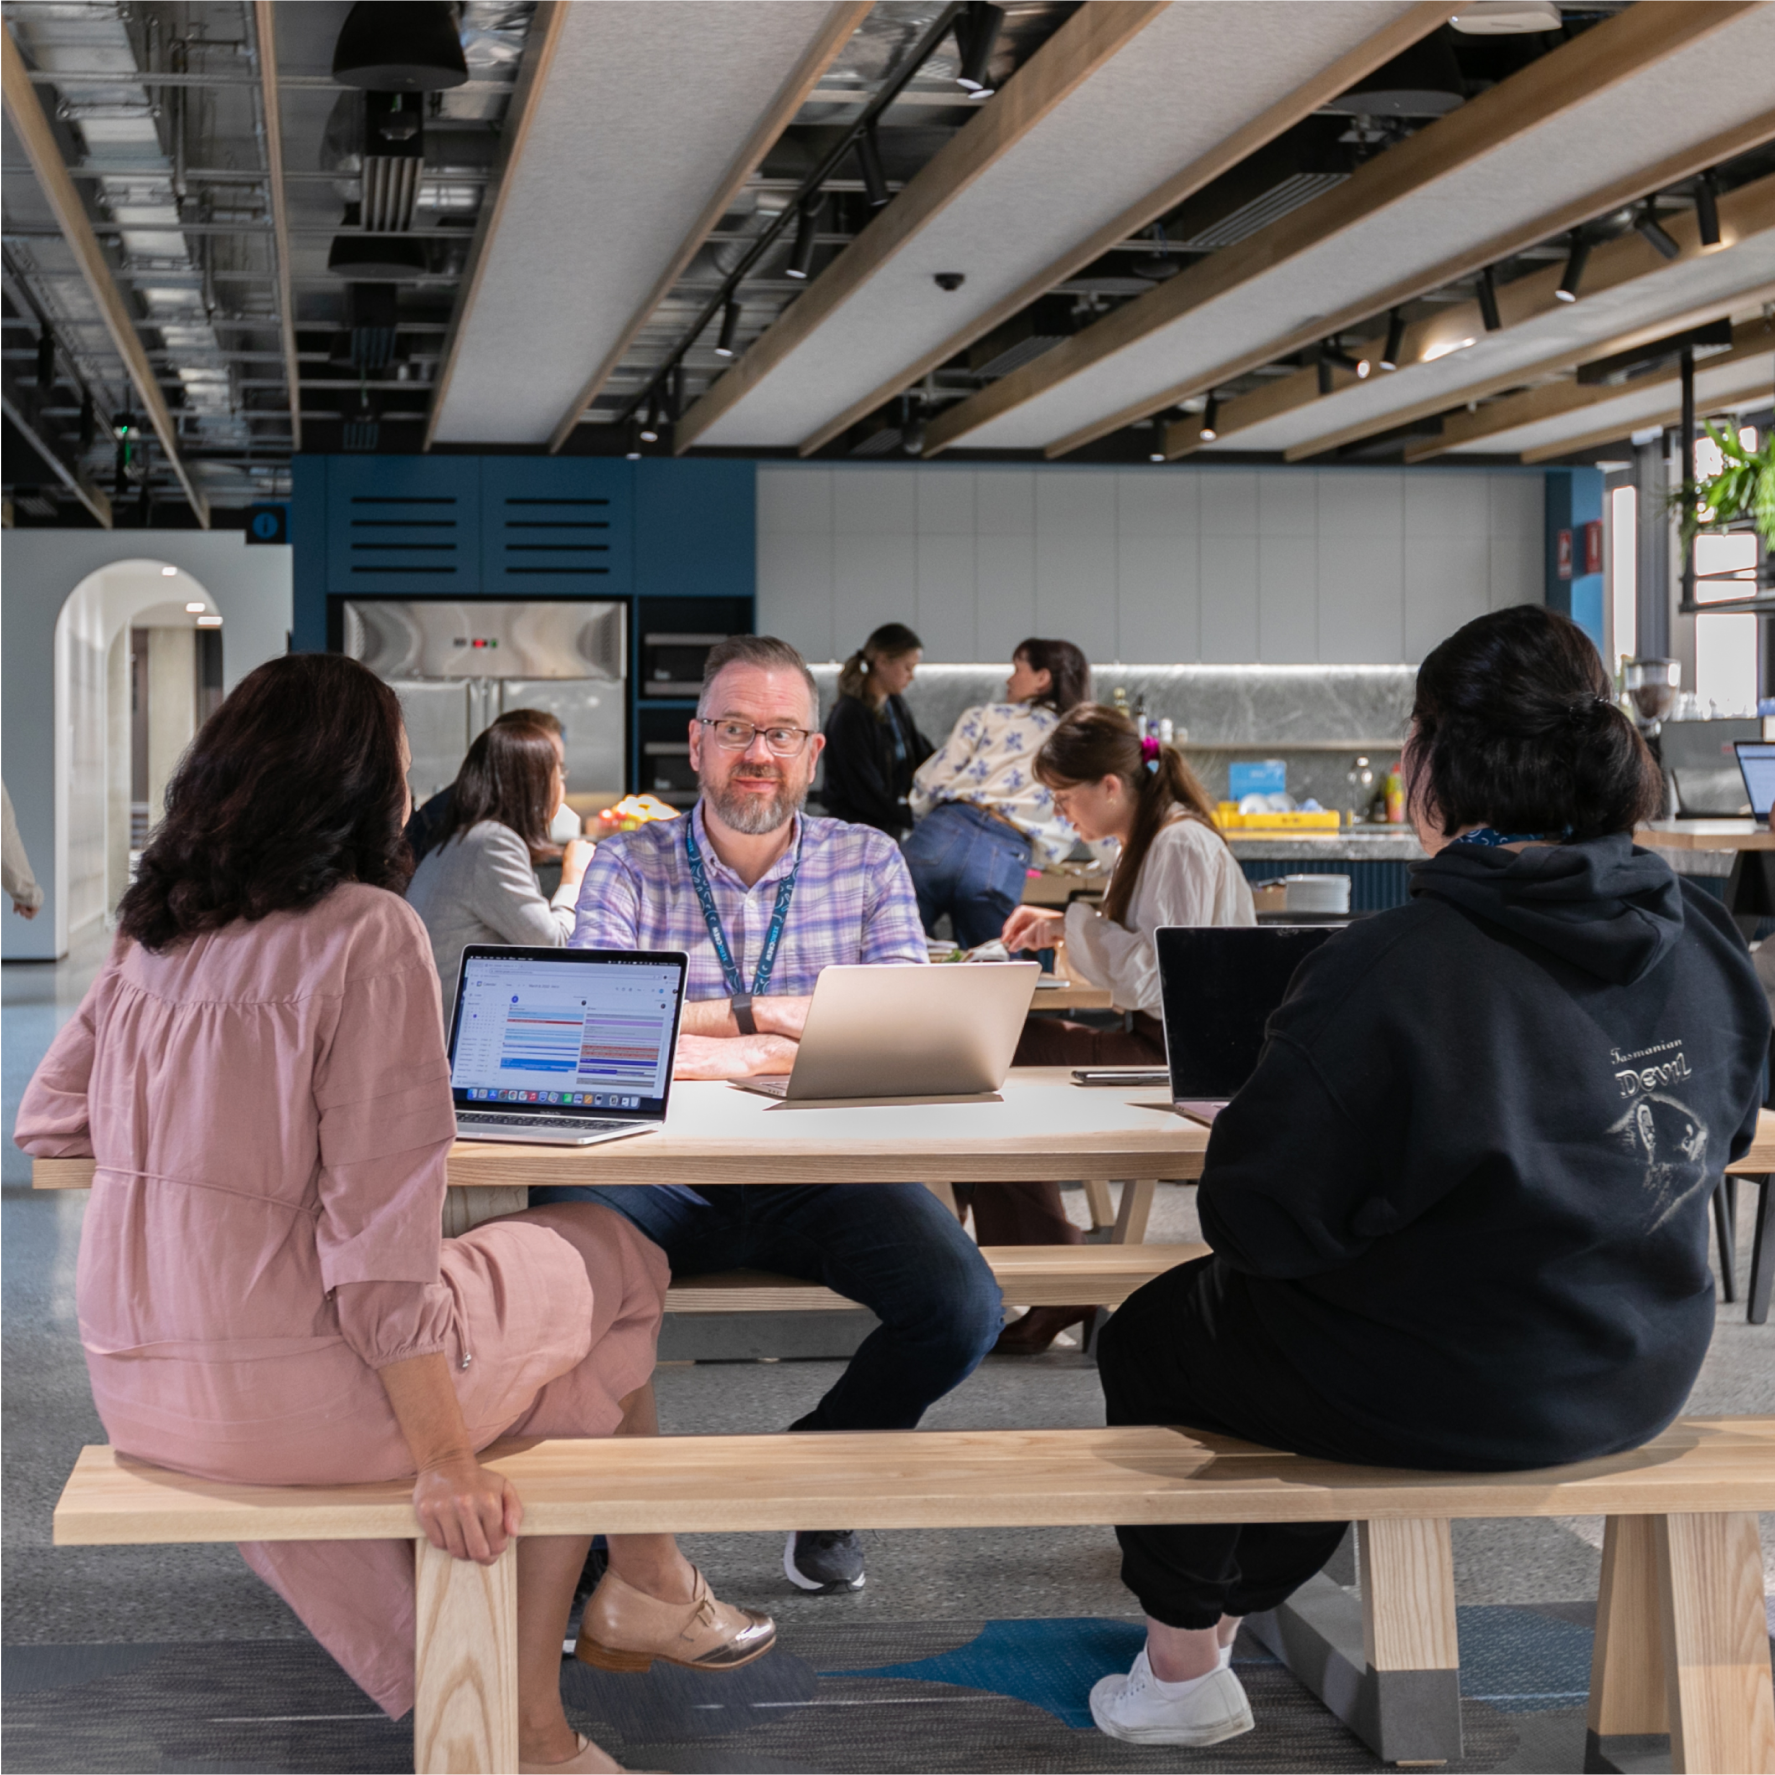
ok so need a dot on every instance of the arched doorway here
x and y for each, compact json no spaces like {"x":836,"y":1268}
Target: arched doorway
{"x":107,"y":757}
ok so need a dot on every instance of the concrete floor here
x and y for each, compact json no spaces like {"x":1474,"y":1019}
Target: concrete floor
{"x":117,"y":1595}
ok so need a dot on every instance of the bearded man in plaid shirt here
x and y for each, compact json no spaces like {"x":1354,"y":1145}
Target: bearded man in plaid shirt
{"x":893,"y":1248}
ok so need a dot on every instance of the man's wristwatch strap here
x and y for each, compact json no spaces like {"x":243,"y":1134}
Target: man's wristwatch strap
{"x":742,"y":1013}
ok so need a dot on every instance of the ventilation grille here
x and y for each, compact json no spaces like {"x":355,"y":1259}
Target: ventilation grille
{"x":1260,"y":212}
{"x":412,"y":535}
{"x":561,"y":539}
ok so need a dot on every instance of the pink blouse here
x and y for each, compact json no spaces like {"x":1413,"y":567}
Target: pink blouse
{"x":269,"y":1106}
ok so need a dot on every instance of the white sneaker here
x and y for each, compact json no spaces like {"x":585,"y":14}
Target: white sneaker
{"x":1139,"y":1709}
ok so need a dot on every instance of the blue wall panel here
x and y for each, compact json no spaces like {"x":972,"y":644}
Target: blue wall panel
{"x":1574,"y":499}
{"x":557,"y":525}
{"x":695,"y":529}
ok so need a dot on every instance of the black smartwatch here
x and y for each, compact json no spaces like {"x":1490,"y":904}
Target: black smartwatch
{"x":742,"y":1013}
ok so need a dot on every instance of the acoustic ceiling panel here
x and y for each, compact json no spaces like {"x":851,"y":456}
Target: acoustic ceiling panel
{"x":1747,"y":380}
{"x":1572,"y":331}
{"x":1719,"y":80}
{"x":1198,"y":72}
{"x":631,"y":135}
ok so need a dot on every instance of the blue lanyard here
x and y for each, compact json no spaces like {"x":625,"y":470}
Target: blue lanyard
{"x":773,"y":936}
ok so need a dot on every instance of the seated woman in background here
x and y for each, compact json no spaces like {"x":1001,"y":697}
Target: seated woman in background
{"x":982,"y":813}
{"x":1459,"y":1214}
{"x":872,"y":743}
{"x":427,"y":823}
{"x":478,"y":882}
{"x":1173,"y":867}
{"x":264,"y":1295}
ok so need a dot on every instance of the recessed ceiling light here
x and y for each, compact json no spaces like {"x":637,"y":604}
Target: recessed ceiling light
{"x":1433,"y":352}
{"x":209,"y":622}
{"x":195,"y":609}
{"x":169,"y":573}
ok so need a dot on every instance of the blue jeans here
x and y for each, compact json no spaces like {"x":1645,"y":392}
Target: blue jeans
{"x":891,"y":1247}
{"x":966,"y":863}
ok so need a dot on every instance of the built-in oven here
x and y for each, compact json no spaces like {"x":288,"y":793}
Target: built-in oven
{"x":672,"y":664}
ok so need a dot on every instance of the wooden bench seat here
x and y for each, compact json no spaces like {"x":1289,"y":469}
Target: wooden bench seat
{"x":1682,"y":1639}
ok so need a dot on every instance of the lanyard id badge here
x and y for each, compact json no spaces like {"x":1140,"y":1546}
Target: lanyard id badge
{"x":737,"y":990}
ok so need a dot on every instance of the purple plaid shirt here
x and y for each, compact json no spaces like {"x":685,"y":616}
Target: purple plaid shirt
{"x":853,"y":902}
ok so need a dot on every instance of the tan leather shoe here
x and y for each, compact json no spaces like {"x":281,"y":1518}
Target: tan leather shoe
{"x":626,"y":1629}
{"x":587,"y":1760}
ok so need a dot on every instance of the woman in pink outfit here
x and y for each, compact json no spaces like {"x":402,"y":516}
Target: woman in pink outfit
{"x":263,"y":1291}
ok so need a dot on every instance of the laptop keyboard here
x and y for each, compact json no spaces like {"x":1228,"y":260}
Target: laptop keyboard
{"x":472,"y":1118}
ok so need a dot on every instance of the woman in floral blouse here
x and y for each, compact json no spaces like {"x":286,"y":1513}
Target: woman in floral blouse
{"x":982,"y":812}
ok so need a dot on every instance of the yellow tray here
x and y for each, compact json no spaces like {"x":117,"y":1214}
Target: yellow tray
{"x":1229,"y":818}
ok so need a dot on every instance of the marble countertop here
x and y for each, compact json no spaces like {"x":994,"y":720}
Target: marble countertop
{"x":1360,"y":845}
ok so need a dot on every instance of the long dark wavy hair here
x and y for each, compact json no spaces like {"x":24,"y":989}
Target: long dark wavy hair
{"x":508,"y":776}
{"x":1515,"y":726}
{"x":1095,"y":741}
{"x":292,"y":786}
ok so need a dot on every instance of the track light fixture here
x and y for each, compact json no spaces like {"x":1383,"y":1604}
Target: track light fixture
{"x":912,"y":425}
{"x":1326,"y":384}
{"x":632,"y":441}
{"x":976,"y":36}
{"x":730,"y":326}
{"x":1647,"y":224}
{"x":1575,"y":261}
{"x":875,"y":185}
{"x":1707,"y":210}
{"x":1395,"y":340}
{"x":651,"y":424}
{"x":801,"y":259}
{"x":1333,"y":353}
{"x":1488,"y":300}
{"x":1211,"y":419}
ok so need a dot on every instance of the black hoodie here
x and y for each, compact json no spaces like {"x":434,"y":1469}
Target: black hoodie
{"x":1463,"y":1201}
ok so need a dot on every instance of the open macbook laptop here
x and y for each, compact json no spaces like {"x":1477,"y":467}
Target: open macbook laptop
{"x":565,"y":1046}
{"x":907,"y":1029}
{"x":1756,"y":763}
{"x":1220,"y":983}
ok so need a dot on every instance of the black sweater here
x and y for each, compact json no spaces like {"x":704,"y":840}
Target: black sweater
{"x":1464,"y":1198}
{"x":869,"y":761}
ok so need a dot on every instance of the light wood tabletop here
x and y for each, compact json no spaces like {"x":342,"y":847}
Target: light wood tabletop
{"x":1705,"y":835}
{"x":1069,"y":995}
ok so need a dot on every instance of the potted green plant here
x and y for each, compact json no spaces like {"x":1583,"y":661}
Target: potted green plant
{"x":1743,"y":489}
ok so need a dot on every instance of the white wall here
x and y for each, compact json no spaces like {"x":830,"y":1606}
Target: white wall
{"x":248,"y":587}
{"x":1166,"y":565}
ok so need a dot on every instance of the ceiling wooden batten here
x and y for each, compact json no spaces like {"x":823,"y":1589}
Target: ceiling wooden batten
{"x":265,"y":32}
{"x":1088,"y":39}
{"x":1576,"y":72}
{"x":1080,"y":50}
{"x":1555,"y":400}
{"x":1745,"y":214}
{"x":1754,"y":387}
{"x":38,"y":141}
{"x":821,"y":53}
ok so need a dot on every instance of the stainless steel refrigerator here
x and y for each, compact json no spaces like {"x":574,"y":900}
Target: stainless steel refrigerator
{"x":457,"y":666}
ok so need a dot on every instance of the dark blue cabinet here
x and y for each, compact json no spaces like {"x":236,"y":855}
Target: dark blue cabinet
{"x":405,"y":524}
{"x":695,"y":528}
{"x":555,"y":526}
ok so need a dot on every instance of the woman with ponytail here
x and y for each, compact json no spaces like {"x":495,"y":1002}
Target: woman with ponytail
{"x":872,"y":743}
{"x":1173,"y":867}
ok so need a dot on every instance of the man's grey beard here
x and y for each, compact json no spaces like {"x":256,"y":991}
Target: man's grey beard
{"x":755,"y":815}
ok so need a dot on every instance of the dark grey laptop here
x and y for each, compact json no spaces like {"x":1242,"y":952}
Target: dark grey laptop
{"x":564,"y":1046}
{"x":1756,"y":764}
{"x":1219,"y":984}
{"x":1698,"y":757}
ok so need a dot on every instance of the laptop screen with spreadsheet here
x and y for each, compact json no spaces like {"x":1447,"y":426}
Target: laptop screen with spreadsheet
{"x":539,"y":1031}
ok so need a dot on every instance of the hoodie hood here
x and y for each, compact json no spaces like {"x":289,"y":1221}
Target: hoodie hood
{"x":1602,"y":905}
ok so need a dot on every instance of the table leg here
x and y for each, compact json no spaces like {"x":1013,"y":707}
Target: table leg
{"x":1762,"y":1252}
{"x":1716,"y":1642}
{"x":465,"y":1703}
{"x":1136,"y":1207}
{"x":1097,"y":1198}
{"x":464,"y":1208}
{"x":1725,"y":1226}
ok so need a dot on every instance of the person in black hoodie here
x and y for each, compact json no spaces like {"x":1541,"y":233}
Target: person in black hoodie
{"x":1459,"y":1213}
{"x":872,"y":743}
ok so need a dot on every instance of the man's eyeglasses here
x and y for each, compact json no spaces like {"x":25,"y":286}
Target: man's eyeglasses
{"x":737,"y":736}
